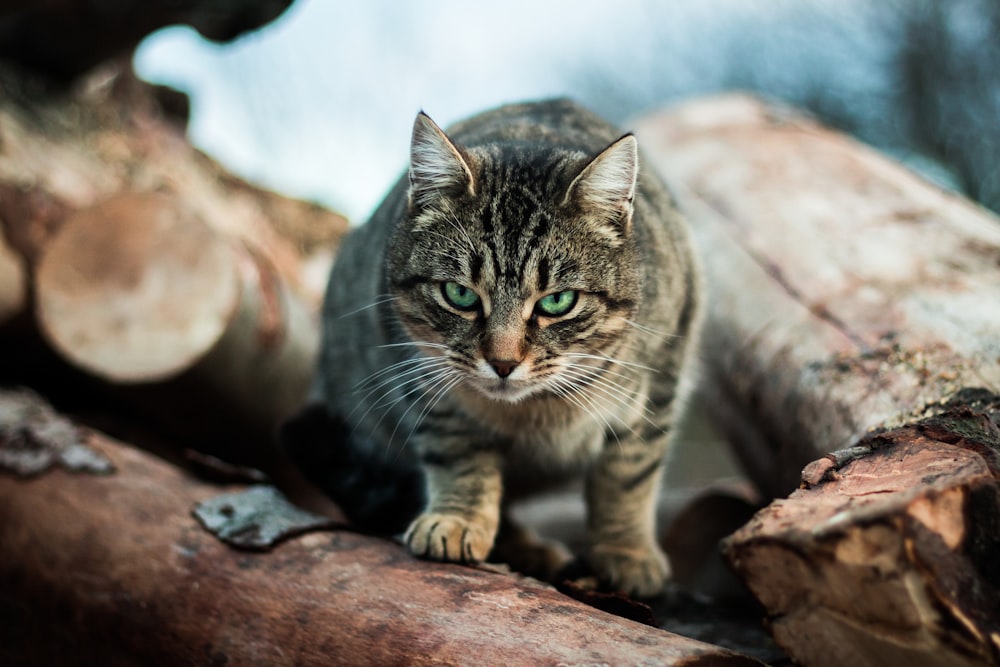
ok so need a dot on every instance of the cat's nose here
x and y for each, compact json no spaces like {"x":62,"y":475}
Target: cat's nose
{"x":503,"y":367}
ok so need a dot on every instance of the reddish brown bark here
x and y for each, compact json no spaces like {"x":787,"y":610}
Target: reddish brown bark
{"x":115,"y":570}
{"x":887,"y":555}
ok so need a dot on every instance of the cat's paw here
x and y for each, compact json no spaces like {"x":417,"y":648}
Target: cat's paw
{"x":448,"y":537}
{"x":637,"y":571}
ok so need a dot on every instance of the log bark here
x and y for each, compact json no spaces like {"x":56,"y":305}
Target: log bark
{"x":115,"y":570}
{"x":852,"y":323}
{"x":845,"y":292}
{"x":887,"y":554}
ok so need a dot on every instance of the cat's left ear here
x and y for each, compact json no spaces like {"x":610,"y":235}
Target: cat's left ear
{"x":437,"y":166}
{"x":606,"y":187}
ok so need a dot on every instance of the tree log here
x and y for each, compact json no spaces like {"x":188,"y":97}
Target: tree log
{"x":138,"y":289}
{"x":849,"y":301}
{"x":63,"y":154}
{"x":845,"y":292}
{"x":224,"y":307}
{"x":887,"y":554}
{"x":115,"y":570}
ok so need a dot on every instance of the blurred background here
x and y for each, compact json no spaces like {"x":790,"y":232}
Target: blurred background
{"x":171,"y":300}
{"x":319,"y":103}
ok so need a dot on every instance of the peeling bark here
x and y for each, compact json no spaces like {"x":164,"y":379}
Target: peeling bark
{"x":888,"y":552}
{"x":115,"y":570}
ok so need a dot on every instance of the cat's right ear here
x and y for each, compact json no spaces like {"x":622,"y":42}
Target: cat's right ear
{"x":437,"y":166}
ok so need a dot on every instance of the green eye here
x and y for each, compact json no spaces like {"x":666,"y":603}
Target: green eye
{"x":460,"y":296}
{"x":557,"y":304}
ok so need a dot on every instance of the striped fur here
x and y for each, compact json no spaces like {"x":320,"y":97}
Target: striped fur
{"x":501,"y":397}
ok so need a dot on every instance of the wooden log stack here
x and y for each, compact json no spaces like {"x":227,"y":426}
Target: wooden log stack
{"x":853,"y":329}
{"x":171,"y":284}
{"x":851,"y":350}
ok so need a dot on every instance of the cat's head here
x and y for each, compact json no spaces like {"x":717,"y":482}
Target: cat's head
{"x":516,"y":261}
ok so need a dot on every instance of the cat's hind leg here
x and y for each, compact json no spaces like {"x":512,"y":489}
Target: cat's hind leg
{"x":528,"y":553}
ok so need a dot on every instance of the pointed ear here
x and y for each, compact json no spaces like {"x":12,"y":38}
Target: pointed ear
{"x":606,"y":187}
{"x":437,"y":167}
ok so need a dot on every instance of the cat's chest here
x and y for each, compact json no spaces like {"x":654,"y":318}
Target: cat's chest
{"x":544,"y":437}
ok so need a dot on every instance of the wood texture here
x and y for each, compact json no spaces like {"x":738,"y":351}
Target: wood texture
{"x":845,"y":292}
{"x":853,"y":324}
{"x":887,"y":554}
{"x":13,"y":282}
{"x":142,"y":260}
{"x":115,"y":570}
{"x":138,"y":289}
{"x":64,"y":154}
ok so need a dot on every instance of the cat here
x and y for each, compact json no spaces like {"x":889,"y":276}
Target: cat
{"x":521,"y":309}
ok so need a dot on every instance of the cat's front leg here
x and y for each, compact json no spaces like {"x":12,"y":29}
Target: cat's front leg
{"x":462,"y":515}
{"x":621,"y":518}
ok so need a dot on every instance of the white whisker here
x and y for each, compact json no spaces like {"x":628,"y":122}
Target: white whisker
{"x":401,"y":380}
{"x":612,"y":360}
{"x":442,"y":378}
{"x":380,"y":299}
{"x":655,"y":332}
{"x":435,"y":399}
{"x":578,"y":396}
{"x":392,"y":367}
{"x":394,"y":383}
{"x":416,"y":343}
{"x":615,"y":392}
{"x":609,"y":387}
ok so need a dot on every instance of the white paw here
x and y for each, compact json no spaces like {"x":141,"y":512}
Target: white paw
{"x":448,"y":537}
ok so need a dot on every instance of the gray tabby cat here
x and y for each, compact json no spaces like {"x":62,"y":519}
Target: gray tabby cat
{"x":519,"y":310}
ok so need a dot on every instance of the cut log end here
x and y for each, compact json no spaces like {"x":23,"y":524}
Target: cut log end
{"x":136,"y":288}
{"x":13,"y":281}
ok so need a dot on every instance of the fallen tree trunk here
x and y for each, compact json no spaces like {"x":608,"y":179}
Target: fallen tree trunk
{"x":848,"y":297}
{"x":65,"y":154}
{"x":845,"y":292}
{"x":114,"y":569}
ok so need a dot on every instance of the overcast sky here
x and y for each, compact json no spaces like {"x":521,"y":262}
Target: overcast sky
{"x":319,"y":104}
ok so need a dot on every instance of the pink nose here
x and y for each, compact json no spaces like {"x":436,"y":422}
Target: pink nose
{"x":503,"y":367}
